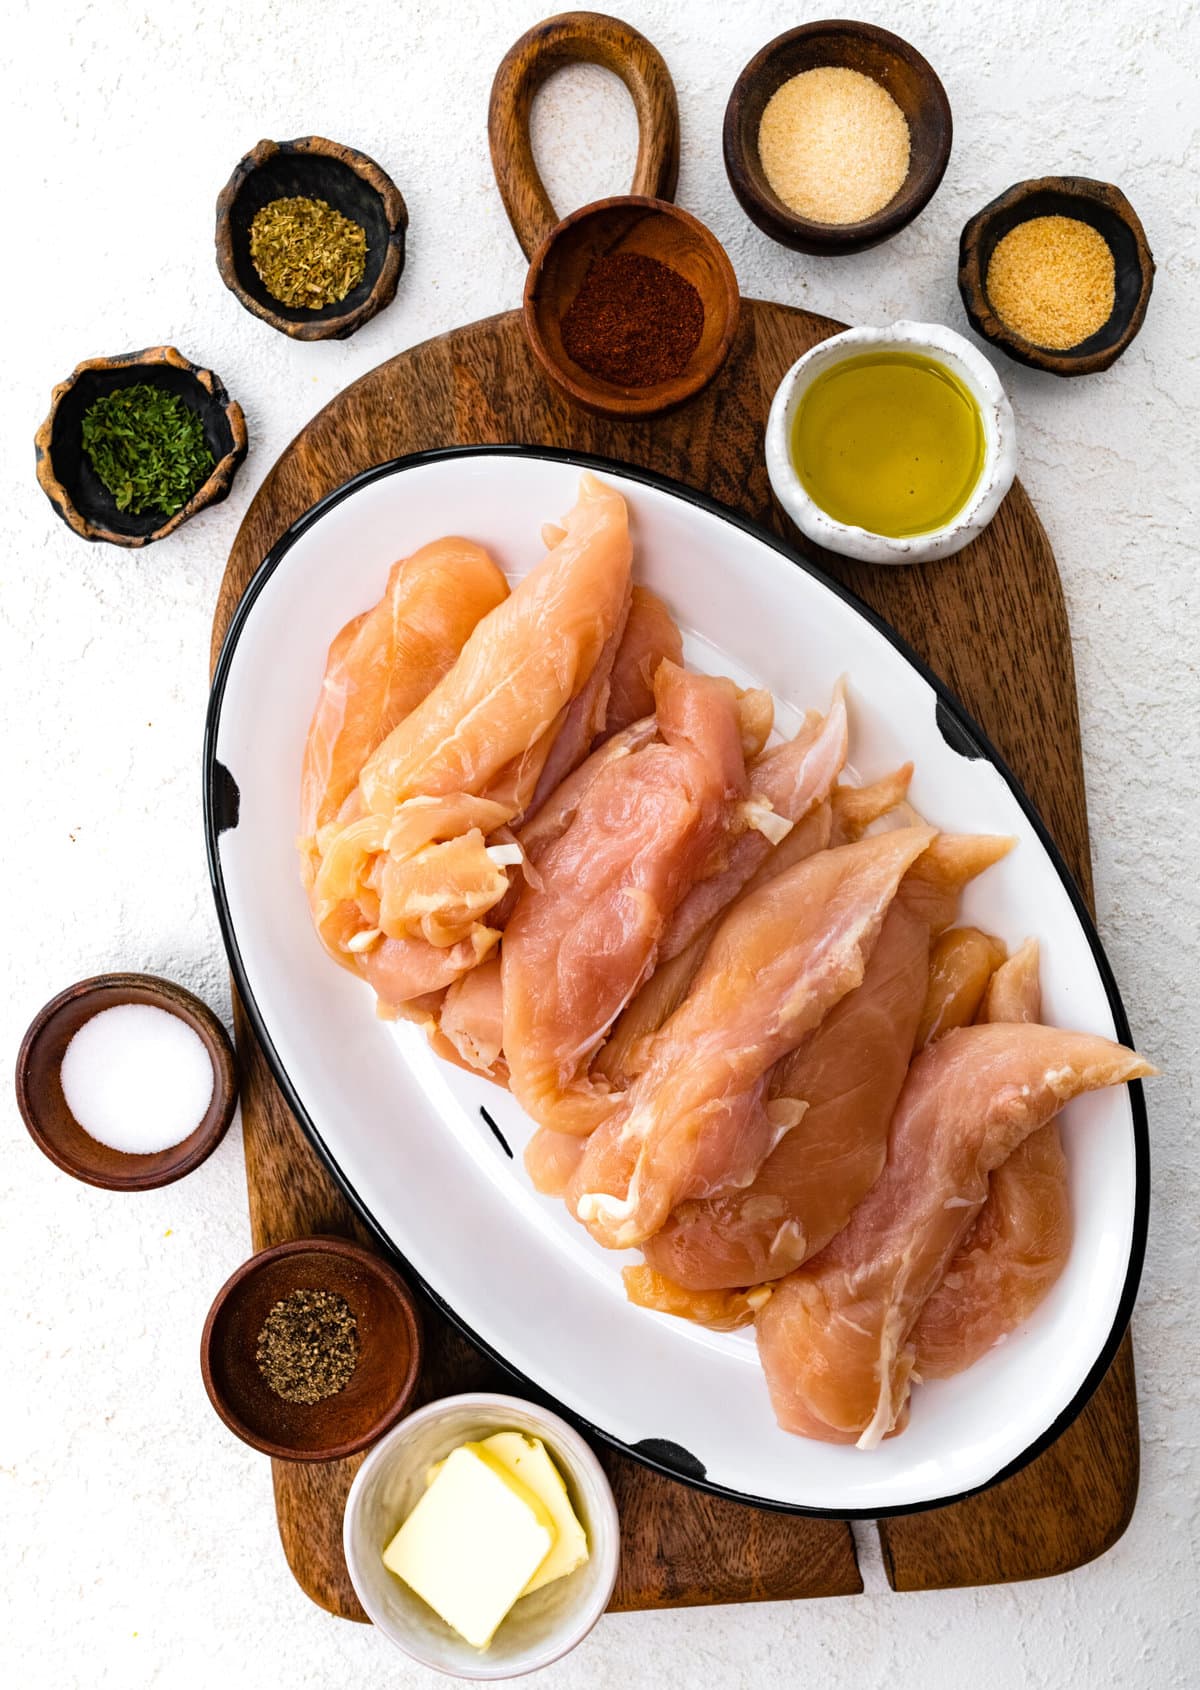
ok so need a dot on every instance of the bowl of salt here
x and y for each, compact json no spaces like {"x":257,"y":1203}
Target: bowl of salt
{"x":126,"y":1081}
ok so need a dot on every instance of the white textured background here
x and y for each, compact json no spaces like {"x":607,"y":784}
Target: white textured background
{"x":137,"y":1542}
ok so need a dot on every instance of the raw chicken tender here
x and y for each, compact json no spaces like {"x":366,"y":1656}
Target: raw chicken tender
{"x":623,"y":1054}
{"x":835,"y":1337}
{"x":848,"y":1074}
{"x":581,"y":941}
{"x":720,"y":1311}
{"x":380,"y":667}
{"x":517,"y":675}
{"x":471,"y":1019}
{"x":584,"y":719}
{"x":694,"y":1121}
{"x":649,"y":637}
{"x":786,"y":784}
{"x":962,"y":963}
{"x":480,"y":736}
{"x":1018,"y":1247}
{"x":383,"y":664}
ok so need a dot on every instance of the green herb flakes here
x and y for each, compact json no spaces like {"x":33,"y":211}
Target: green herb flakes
{"x":307,"y":254}
{"x":147,"y":447}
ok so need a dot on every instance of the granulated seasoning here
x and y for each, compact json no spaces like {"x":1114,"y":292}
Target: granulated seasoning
{"x":834,"y":145}
{"x":634,"y":322}
{"x":1052,"y":280}
{"x":308,"y":1347}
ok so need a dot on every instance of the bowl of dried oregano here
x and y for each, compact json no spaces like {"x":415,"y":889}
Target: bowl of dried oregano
{"x":310,"y":237}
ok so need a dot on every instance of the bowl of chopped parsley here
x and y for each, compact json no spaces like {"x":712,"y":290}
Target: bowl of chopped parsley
{"x":135,"y":445}
{"x":310,"y":237}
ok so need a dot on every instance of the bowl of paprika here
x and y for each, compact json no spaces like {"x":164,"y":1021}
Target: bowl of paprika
{"x":631,"y":304}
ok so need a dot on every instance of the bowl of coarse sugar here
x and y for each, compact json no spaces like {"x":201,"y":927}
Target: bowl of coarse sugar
{"x":1057,"y":273}
{"x":836,"y":136}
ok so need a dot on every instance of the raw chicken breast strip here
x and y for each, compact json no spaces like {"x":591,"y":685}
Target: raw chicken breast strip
{"x":693,"y":1121}
{"x":1018,"y":1247}
{"x":839,"y":821}
{"x":519,"y":670}
{"x":786,"y":782}
{"x":584,"y":719}
{"x":581,"y":941}
{"x":383,"y":664}
{"x":481,"y":736}
{"x":650,"y":635}
{"x":835,"y":1337}
{"x":960,"y":966}
{"x":380,"y":667}
{"x":558,"y":812}
{"x":471,"y":1020}
{"x":848,"y":1074}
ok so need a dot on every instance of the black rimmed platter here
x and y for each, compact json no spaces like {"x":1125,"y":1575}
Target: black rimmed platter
{"x":408,"y":1137}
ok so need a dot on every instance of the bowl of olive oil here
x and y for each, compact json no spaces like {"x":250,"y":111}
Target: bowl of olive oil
{"x":891,"y":445}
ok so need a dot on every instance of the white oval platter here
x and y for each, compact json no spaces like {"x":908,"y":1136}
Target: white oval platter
{"x":407,"y":1135}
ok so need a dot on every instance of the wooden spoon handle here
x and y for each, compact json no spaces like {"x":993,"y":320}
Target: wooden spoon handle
{"x":578,"y":38}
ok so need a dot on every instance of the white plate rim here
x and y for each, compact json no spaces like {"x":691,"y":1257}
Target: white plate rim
{"x":961,"y":732}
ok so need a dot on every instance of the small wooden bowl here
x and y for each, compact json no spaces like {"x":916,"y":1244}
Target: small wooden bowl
{"x":1107,"y":211}
{"x":347,"y":180}
{"x":389,"y":1355}
{"x":890,"y":61}
{"x":44,"y":1108}
{"x":656,"y":229}
{"x":65,"y":472}
{"x":643,"y":221}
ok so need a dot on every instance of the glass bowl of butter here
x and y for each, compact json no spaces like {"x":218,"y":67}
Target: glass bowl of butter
{"x":482,"y":1537}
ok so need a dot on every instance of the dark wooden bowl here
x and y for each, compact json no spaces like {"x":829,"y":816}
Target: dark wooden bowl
{"x":347,"y":180}
{"x":643,"y":221}
{"x":890,"y":61}
{"x":389,"y":1354}
{"x":1107,"y":210}
{"x":655,"y":229}
{"x":44,"y":1108}
{"x":72,"y":485}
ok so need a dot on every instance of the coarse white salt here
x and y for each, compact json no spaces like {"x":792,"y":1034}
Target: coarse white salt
{"x":137,"y":1078}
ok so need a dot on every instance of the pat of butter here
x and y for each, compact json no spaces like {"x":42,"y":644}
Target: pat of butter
{"x":473,"y":1542}
{"x":526,"y":1459}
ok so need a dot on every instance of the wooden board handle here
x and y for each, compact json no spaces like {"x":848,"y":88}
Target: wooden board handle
{"x":578,"y":38}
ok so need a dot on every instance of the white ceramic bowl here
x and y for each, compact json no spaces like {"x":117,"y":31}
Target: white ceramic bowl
{"x":542,"y":1627}
{"x":999,"y":431}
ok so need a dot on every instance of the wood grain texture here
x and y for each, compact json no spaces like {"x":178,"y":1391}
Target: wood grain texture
{"x":992,"y":622}
{"x":578,"y":38}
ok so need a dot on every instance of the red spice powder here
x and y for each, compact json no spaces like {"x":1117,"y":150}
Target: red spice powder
{"x":634,"y":322}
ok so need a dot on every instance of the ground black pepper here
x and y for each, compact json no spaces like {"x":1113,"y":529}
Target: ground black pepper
{"x":634,"y":322}
{"x":308,"y":1347}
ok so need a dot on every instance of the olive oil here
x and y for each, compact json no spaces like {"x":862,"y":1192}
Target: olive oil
{"x":891,"y":442}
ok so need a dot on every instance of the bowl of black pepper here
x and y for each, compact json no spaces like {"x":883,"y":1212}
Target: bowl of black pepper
{"x":137,"y":444}
{"x":312,"y":1349}
{"x":310,"y":237}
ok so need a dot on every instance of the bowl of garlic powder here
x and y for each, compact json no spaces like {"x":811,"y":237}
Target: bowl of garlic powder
{"x":836,"y":136}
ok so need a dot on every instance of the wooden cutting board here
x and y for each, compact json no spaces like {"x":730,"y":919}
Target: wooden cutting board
{"x":993,"y":624}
